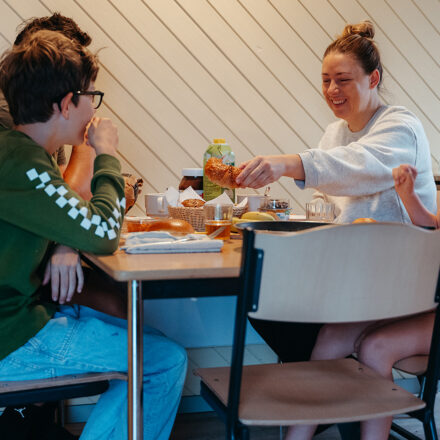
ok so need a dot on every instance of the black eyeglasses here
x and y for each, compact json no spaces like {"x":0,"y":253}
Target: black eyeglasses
{"x":95,"y":94}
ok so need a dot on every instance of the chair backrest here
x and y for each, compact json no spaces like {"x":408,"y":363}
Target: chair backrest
{"x":347,"y":273}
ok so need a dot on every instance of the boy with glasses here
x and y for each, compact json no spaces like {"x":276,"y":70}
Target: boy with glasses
{"x":41,"y":79}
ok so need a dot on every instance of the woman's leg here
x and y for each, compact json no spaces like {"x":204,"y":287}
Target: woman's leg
{"x":382,"y":348}
{"x":67,"y":346}
{"x":334,"y":341}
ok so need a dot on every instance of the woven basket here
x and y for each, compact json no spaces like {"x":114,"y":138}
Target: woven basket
{"x":195,"y":216}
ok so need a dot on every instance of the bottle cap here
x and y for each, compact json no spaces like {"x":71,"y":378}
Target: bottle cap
{"x":192,"y":172}
{"x":219,"y":141}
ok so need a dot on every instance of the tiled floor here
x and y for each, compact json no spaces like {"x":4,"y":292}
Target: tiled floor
{"x":207,"y":426}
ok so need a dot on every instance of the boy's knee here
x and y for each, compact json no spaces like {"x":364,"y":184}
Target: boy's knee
{"x":168,"y":355}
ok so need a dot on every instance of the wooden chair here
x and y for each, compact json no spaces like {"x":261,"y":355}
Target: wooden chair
{"x":14,"y":393}
{"x":344,"y":273}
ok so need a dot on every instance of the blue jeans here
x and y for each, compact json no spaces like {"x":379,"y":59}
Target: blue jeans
{"x":80,"y":340}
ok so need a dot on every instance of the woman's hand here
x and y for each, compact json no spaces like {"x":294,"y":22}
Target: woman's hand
{"x":64,"y":273}
{"x":404,"y":178}
{"x":263,"y":170}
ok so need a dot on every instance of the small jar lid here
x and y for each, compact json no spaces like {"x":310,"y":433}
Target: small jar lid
{"x":192,"y":172}
{"x":219,"y":141}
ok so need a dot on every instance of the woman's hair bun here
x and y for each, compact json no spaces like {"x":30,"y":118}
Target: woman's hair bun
{"x":363,"y":29}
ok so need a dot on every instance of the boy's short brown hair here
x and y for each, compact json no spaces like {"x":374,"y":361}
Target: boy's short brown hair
{"x":40,"y":71}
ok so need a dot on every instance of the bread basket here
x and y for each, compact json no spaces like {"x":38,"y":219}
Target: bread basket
{"x":195,"y":216}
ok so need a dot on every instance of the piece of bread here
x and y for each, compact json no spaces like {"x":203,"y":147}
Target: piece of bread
{"x":221,"y":174}
{"x":193,"y":203}
{"x":133,"y":187}
{"x":172,"y":225}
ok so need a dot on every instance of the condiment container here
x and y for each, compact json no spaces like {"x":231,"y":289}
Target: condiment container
{"x":279,"y":207}
{"x":192,"y":177}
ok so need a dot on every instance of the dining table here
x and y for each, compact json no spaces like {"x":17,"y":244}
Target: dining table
{"x":159,"y":276}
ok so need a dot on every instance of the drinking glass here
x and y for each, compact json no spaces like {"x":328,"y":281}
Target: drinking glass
{"x":218,"y":216}
{"x":320,"y":211}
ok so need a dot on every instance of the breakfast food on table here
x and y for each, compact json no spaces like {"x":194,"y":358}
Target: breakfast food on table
{"x":193,"y":203}
{"x":133,"y":188}
{"x":253,"y":216}
{"x":257,"y":215}
{"x":171,"y":225}
{"x":221,"y":150}
{"x":364,"y":220}
{"x":221,"y":174}
{"x":278,"y":208}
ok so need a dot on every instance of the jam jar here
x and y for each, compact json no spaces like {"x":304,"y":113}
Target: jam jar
{"x":192,"y":177}
{"x":280,"y":207}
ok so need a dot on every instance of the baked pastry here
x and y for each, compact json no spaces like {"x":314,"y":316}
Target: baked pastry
{"x":193,"y":203}
{"x":172,"y":225}
{"x":221,"y":174}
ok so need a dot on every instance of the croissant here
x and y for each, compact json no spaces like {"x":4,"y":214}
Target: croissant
{"x":221,"y":174}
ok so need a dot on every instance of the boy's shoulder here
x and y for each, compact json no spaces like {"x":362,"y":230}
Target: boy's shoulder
{"x":18,"y":150}
{"x":12,"y":140}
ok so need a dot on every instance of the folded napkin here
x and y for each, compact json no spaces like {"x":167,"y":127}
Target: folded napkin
{"x":156,"y":242}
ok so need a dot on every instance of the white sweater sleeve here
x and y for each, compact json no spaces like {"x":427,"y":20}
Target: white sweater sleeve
{"x":362,"y":167}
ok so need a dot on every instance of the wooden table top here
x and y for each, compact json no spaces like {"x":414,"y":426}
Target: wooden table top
{"x":144,"y":267}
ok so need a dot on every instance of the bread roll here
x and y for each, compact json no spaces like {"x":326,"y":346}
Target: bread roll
{"x":193,"y":203}
{"x":221,"y":174}
{"x":172,"y":225}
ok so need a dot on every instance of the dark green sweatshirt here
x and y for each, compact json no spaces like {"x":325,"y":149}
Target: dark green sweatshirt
{"x":38,"y":208}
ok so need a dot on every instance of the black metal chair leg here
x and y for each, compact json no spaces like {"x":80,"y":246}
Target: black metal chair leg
{"x":430,"y":429}
{"x":244,"y":433}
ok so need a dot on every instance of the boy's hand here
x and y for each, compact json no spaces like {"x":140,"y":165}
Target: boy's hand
{"x":102,"y":135}
{"x":64,"y":273}
{"x":404,"y":178}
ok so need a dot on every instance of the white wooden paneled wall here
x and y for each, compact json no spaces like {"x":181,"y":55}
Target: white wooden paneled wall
{"x":177,"y":73}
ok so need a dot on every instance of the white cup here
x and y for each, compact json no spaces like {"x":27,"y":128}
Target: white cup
{"x":156,"y":205}
{"x":254,"y":200}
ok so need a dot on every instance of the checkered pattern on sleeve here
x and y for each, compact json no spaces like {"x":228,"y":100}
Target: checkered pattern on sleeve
{"x":81,"y":214}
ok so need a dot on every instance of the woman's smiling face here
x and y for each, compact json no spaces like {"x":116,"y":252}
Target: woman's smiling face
{"x":349,"y":91}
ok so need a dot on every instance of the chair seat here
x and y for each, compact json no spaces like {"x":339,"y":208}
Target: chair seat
{"x":56,"y":388}
{"x":71,"y":379}
{"x":332,"y":391}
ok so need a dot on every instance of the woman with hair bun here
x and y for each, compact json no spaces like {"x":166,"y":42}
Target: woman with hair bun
{"x":352,"y":168}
